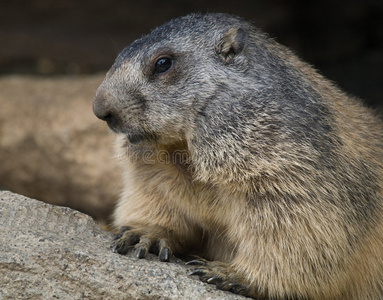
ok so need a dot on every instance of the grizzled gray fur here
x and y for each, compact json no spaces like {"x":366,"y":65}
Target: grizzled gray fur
{"x":279,"y":188}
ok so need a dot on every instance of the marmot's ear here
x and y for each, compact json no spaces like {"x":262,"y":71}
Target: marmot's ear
{"x":231,"y":44}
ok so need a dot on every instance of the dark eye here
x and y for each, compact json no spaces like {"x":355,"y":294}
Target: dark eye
{"x":162,"y":65}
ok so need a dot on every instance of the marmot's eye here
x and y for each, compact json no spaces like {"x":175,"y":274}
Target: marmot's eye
{"x":162,"y":65}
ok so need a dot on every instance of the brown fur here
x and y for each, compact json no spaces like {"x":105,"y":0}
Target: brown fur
{"x":282,"y":211}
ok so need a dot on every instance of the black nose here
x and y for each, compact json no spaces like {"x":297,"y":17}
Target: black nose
{"x":101,"y":108}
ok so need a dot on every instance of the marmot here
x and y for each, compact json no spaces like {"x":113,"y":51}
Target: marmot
{"x":240,"y":153}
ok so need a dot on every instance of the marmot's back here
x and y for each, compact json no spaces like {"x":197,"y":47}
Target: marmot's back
{"x":237,"y":151}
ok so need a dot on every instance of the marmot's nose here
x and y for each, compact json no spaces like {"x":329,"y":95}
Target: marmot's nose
{"x":100,"y":106}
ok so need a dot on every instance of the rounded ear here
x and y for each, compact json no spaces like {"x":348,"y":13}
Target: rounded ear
{"x":231,"y":44}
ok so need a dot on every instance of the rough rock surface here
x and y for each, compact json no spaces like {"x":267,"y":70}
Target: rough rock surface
{"x":53,"y":148}
{"x":53,"y":252}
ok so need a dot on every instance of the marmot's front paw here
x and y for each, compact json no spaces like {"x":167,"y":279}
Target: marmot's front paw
{"x":142,"y":242}
{"x":223,"y":276}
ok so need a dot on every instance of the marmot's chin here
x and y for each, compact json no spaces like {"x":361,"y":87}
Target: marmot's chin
{"x":136,"y":138}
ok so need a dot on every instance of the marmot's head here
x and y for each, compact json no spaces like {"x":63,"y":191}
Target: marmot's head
{"x":237,"y":99}
{"x":160,"y":83}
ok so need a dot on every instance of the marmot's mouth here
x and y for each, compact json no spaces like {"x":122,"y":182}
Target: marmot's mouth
{"x":136,"y":138}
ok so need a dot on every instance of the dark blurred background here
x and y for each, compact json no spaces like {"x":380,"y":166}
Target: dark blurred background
{"x":343,"y":39}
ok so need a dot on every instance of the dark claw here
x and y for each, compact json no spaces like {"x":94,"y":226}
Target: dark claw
{"x":114,"y":247}
{"x":120,"y":247}
{"x":141,"y":252}
{"x":124,"y":243}
{"x":165,"y":254}
{"x":127,"y":239}
{"x":198,"y":272}
{"x":196,"y":262}
{"x":214,"y":280}
{"x":221,"y":275}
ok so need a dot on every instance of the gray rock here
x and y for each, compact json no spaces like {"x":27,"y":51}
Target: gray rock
{"x":53,"y":252}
